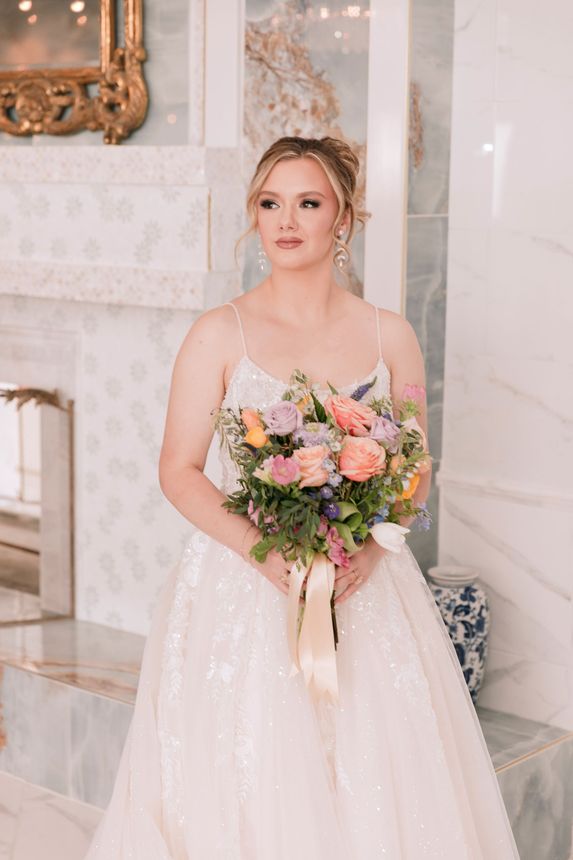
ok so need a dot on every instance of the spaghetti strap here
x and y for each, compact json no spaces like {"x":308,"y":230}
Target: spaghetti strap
{"x":377,"y":318}
{"x":235,"y":308}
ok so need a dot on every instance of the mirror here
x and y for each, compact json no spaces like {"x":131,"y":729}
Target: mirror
{"x":64,"y":68}
{"x":36,"y":571}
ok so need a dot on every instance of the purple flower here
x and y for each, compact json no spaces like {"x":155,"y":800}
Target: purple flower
{"x":326,"y":492}
{"x":312,"y":433}
{"x":331,"y":510}
{"x":359,"y":392}
{"x":386,"y":431}
{"x":282,"y":418}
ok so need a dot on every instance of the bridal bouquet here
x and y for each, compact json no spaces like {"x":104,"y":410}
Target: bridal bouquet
{"x":317,"y":478}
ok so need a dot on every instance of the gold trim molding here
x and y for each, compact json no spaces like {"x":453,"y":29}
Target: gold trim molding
{"x":58,"y":101}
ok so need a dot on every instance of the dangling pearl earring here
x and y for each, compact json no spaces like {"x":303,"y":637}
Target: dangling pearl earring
{"x":262,"y":258}
{"x":341,"y":255}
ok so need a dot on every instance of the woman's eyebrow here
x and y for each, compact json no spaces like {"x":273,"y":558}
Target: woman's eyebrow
{"x":302,"y":193}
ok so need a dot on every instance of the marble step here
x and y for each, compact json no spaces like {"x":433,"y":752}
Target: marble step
{"x":37,"y":823}
{"x":67,"y":689}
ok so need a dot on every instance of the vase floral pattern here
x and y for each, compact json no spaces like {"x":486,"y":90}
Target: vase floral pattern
{"x":466,"y":614}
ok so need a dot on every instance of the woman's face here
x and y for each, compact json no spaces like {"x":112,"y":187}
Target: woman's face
{"x":296,"y":210}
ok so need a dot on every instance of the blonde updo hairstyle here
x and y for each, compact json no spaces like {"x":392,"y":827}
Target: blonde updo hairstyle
{"x":340,"y":165}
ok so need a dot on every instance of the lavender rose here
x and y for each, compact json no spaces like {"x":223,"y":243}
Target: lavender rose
{"x":282,"y":418}
{"x":384,"y":430}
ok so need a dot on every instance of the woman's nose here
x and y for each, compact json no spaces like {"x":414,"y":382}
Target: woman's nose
{"x":287,"y":221}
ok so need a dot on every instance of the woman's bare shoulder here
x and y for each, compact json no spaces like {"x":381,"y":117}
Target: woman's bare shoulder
{"x":212,"y":330}
{"x":395,"y":326}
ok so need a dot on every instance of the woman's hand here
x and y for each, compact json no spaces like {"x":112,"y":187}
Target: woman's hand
{"x":274,"y":567}
{"x":362,"y":564}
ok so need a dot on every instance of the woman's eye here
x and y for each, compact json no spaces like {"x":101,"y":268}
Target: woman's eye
{"x":313,"y":203}
{"x":266,"y":204}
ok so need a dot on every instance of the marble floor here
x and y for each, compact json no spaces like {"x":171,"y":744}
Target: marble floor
{"x":38,"y":824}
{"x":82,"y":679}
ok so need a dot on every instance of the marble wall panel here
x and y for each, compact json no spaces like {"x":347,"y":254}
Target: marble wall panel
{"x":530,"y":587}
{"x":42,"y":757}
{"x":60,"y":737}
{"x":543,"y":828}
{"x":431,"y":85}
{"x":425,"y":309}
{"x":502,"y":412}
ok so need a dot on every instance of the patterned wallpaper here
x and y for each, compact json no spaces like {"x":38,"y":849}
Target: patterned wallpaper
{"x":127,"y":535}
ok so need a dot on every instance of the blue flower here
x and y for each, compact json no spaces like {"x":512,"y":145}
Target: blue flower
{"x":334,"y":479}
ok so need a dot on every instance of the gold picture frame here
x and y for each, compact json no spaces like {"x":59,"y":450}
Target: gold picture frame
{"x":58,"y":101}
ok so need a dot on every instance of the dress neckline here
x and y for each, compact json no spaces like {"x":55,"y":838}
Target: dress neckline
{"x":351,"y":385}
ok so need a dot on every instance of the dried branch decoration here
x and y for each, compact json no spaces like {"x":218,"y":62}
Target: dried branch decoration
{"x":39,"y":395}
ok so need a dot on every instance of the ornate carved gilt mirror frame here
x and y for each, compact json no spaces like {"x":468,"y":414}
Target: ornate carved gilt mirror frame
{"x":111,"y":96}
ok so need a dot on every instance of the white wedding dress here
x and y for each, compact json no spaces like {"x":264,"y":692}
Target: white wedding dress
{"x":226,"y":756}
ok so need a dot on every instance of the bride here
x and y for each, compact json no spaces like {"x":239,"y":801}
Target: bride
{"x":227,"y":756}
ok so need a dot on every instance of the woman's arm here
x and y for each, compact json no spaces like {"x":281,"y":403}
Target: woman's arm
{"x":197,"y":388}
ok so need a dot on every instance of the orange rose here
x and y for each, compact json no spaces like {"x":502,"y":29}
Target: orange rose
{"x":250,"y":418}
{"x":361,"y":458}
{"x":350,"y":415}
{"x":407,"y":494}
{"x":256,"y":437}
{"x":312,"y":472}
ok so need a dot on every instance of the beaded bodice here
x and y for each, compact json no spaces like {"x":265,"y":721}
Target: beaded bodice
{"x":251,"y":386}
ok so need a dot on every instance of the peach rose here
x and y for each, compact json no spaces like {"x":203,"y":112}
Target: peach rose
{"x":251,"y":418}
{"x":256,"y":437}
{"x":350,"y":415}
{"x":361,"y":458}
{"x":312,"y":472}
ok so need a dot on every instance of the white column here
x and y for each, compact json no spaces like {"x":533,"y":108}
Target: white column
{"x":387,"y":153}
{"x":224,"y":46}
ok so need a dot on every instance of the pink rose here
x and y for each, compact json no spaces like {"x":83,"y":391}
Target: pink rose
{"x":353,"y":417}
{"x":361,"y":458}
{"x":282,"y":418}
{"x":285,"y":470}
{"x":310,"y":462}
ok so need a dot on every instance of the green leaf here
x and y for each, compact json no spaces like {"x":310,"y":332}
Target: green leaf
{"x":346,"y":509}
{"x":318,"y":407}
{"x":353,"y":521}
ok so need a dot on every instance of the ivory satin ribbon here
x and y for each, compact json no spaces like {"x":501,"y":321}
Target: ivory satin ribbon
{"x":312,"y":649}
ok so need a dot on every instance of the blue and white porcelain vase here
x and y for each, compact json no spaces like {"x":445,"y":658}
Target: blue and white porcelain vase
{"x":464,"y":606}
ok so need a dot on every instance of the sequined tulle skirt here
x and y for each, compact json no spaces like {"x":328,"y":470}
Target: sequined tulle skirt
{"x":227,"y":757}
